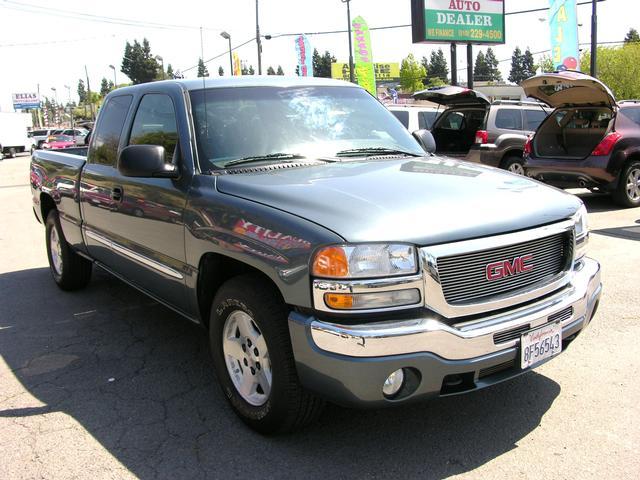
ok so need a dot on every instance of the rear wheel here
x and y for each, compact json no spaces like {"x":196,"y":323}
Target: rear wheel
{"x":12,"y":152}
{"x":627,"y":193}
{"x":514,"y":165}
{"x":69,"y":270}
{"x":253,"y":359}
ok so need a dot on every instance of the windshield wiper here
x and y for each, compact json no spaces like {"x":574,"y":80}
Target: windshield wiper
{"x":369,"y":151}
{"x":270,"y":156}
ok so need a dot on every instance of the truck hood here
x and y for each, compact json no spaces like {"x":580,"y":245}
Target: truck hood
{"x":424,"y":201}
{"x":568,"y":89}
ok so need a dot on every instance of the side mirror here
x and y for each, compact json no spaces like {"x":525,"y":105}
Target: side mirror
{"x":426,"y":140}
{"x":145,"y":161}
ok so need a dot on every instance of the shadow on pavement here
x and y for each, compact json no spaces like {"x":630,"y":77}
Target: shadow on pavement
{"x":139,"y":380}
{"x":599,"y":202}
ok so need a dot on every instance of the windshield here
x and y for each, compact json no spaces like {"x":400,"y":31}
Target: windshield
{"x":312,"y":122}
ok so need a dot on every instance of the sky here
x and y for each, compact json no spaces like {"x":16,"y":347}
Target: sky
{"x":49,"y":43}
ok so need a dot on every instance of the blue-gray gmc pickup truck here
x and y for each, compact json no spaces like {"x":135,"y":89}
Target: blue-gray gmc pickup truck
{"x":329,"y":254}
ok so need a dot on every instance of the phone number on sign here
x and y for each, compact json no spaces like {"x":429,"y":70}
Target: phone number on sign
{"x":479,"y":34}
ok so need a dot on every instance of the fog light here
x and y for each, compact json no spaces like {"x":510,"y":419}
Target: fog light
{"x":393,"y":383}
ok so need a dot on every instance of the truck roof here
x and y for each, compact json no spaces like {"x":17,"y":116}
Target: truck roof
{"x":251,"y":81}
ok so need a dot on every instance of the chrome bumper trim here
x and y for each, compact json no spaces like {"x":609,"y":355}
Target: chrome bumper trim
{"x":465,"y":340}
{"x":435,"y":296}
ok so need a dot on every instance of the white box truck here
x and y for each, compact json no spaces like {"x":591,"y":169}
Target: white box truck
{"x":13,"y":134}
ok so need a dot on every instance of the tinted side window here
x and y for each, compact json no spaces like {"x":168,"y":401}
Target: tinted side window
{"x":107,"y":136}
{"x":632,"y":113}
{"x":509,"y":119}
{"x":403,"y":116}
{"x":534,"y":118}
{"x":155,"y":124}
{"x":425,"y":120}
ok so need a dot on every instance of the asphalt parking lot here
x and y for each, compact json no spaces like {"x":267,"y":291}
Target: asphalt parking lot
{"x":106,"y":383}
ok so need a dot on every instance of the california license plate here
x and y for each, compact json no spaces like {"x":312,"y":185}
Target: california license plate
{"x":539,"y":344}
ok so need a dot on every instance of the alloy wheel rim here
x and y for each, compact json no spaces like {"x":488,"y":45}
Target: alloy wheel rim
{"x":633,"y":184}
{"x":247,"y":358}
{"x":516,"y":168}
{"x":56,"y":251}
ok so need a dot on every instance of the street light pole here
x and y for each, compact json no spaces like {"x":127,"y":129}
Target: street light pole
{"x":259,"y":42}
{"x":351,"y":76}
{"x":226,"y":36}
{"x":594,"y":37}
{"x":70,"y":110}
{"x":115,"y":82}
{"x":158,"y":57}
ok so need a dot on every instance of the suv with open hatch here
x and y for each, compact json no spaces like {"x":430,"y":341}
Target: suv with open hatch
{"x":589,"y":141}
{"x":480,"y":131}
{"x":326,"y":251}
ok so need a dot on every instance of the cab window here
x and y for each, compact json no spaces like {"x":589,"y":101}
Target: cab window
{"x":155,"y":124}
{"x":111,"y":121}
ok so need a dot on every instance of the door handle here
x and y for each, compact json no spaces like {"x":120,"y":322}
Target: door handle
{"x":116,"y":194}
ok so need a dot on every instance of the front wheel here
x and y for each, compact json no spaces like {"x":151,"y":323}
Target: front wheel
{"x":627,"y":192}
{"x":514,"y":165}
{"x":69,"y":270}
{"x":253,"y":359}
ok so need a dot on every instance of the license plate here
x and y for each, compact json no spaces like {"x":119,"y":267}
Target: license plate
{"x":539,"y":344}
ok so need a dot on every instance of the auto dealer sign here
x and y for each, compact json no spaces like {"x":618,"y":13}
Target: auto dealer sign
{"x":458,"y":21}
{"x":24,"y":101}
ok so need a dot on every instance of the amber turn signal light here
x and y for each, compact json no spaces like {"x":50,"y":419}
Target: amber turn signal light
{"x":339,"y":301}
{"x":331,"y":262}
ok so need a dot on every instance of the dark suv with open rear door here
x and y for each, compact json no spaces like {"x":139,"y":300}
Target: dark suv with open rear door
{"x":589,"y":141}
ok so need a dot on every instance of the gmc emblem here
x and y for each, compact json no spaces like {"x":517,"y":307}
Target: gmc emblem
{"x":508,"y":268}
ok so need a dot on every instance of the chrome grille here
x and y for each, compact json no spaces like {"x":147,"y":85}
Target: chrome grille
{"x":463,"y":277}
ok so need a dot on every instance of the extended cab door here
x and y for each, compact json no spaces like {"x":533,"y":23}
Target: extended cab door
{"x":143,"y":224}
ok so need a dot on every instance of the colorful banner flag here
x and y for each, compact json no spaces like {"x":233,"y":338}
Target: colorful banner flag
{"x":563,"y":23}
{"x":365,"y":70}
{"x":305,"y":56}
{"x":237,"y":65}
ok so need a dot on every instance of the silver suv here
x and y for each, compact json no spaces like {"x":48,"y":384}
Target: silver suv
{"x":479,"y":131}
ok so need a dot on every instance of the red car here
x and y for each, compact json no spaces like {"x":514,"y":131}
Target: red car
{"x":59,"y":141}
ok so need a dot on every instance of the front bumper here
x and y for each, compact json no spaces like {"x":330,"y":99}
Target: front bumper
{"x":348,"y":364}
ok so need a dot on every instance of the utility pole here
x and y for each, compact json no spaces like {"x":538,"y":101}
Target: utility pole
{"x":93,"y":113}
{"x":351,"y":75}
{"x":258,"y":41}
{"x":454,"y":65}
{"x":469,"y":66}
{"x":594,"y":38}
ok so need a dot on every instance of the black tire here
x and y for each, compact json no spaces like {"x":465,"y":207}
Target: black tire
{"x":75,"y":271}
{"x":12,"y":153}
{"x":623,"y":195}
{"x":514,"y":164}
{"x":289,"y":406}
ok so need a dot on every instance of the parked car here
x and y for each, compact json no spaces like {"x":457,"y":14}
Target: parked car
{"x":79,"y":134}
{"x":479,"y":131}
{"x":415,"y":117}
{"x":589,"y":141}
{"x":40,"y":136}
{"x":327,"y":254}
{"x":59,"y":141}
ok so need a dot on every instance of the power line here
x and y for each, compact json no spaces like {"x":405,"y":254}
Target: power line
{"x":220,"y":55}
{"x":31,"y":8}
{"x":51,"y":42}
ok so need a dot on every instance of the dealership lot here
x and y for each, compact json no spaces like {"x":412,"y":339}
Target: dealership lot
{"x":106,"y":383}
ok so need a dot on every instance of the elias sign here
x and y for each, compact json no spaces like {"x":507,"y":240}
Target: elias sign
{"x":458,"y":21}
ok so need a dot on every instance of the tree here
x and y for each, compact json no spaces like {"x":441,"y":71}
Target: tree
{"x":111,"y":86}
{"x":271,"y":71}
{"x":632,"y":36}
{"x":82,"y":91}
{"x":280,"y":71}
{"x":202,"y":69}
{"x":170,"y":72}
{"x":492,"y":64}
{"x":104,"y":87}
{"x":322,"y":63}
{"x":138,"y":63}
{"x":545,"y":65}
{"x":437,"y":69}
{"x":618,"y":68}
{"x":297,"y":70}
{"x":528,"y":64}
{"x":220,"y":71}
{"x":251,"y":71}
{"x":516,"y":74}
{"x":481,"y":68}
{"x":411,"y":74}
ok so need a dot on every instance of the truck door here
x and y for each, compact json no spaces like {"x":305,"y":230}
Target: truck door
{"x":145,"y":227}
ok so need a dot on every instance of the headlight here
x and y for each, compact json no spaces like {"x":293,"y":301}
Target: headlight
{"x":581,"y":232}
{"x":365,"y":261}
